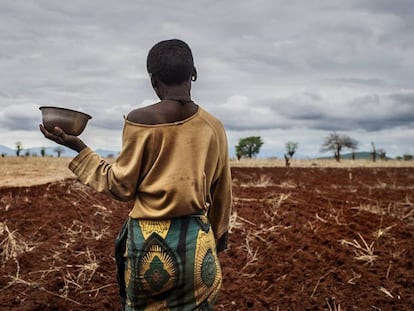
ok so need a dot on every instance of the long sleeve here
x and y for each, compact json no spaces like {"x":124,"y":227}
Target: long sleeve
{"x":119,"y":179}
{"x":221,"y":194}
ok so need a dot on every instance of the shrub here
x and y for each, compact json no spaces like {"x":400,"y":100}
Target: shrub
{"x":407,"y":157}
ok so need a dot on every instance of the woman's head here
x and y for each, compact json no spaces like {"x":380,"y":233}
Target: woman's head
{"x":171,"y":62}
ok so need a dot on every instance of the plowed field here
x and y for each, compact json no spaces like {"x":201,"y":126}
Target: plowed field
{"x":301,"y":239}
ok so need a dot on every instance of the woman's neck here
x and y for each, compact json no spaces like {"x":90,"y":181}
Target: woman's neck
{"x":176,"y":92}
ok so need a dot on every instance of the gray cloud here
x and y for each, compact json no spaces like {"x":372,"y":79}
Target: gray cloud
{"x":312,"y":110}
{"x":369,"y":113}
{"x":20,"y":116}
{"x":359,"y":81}
{"x":398,"y":7}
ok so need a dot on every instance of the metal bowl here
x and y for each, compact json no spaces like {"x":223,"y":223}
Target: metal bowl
{"x":72,"y":122}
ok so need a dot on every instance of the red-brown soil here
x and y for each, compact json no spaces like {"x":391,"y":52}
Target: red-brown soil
{"x":293,"y":243}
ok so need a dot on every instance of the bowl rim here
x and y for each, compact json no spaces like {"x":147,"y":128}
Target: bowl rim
{"x":66,"y":109}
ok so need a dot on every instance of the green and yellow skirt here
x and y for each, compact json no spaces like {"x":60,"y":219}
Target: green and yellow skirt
{"x":168,"y":264}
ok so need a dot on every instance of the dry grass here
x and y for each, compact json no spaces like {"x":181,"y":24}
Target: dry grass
{"x":12,"y":243}
{"x":254,"y":232}
{"x":37,"y":286}
{"x":81,"y":274}
{"x":373,"y":209}
{"x":79,"y":230}
{"x":251,"y":254}
{"x":363,"y":251}
{"x":262,"y":181}
{"x":319,"y":163}
{"x":332,"y":305}
{"x":402,"y":210}
{"x":274,"y":205}
{"x":235,"y":222}
{"x":75,"y":277}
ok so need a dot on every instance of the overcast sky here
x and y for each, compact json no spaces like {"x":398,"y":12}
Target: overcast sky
{"x":293,"y":70}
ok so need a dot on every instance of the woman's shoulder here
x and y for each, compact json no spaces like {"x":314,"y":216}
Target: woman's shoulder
{"x":143,"y":115}
{"x":211,"y":119}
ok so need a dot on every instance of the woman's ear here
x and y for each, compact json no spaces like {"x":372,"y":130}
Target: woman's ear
{"x":194,"y":75}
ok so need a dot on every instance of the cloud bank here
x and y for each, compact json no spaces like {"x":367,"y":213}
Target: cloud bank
{"x":294,"y":70}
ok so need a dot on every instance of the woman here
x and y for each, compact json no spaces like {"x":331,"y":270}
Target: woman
{"x":174,"y":165}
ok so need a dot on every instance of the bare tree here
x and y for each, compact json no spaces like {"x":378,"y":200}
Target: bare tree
{"x":291,"y":148}
{"x":373,"y":152}
{"x":59,"y":150}
{"x":353,"y":153}
{"x":19,"y":148}
{"x":382,"y":154}
{"x":336,"y":142}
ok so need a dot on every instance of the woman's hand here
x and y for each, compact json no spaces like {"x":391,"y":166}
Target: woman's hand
{"x":60,"y":137}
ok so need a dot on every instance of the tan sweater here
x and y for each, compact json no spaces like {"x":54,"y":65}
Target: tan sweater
{"x":169,"y":170}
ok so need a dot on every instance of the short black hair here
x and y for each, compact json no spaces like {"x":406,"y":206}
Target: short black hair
{"x":171,"y":61}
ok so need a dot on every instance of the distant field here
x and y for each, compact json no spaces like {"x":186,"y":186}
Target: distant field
{"x":28,"y":171}
{"x":320,"y":163}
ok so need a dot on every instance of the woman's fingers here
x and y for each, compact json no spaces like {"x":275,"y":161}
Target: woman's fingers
{"x":58,"y":135}
{"x":57,"y":131}
{"x":45,"y":132}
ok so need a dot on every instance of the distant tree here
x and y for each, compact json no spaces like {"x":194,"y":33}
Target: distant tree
{"x":382,"y":154}
{"x":336,"y":142}
{"x":3,"y":154}
{"x":19,"y":148}
{"x":373,"y":152}
{"x":249,"y":146}
{"x":238,"y":154}
{"x":43,"y":151}
{"x":291,"y":148}
{"x":407,"y":157}
{"x":353,"y":153}
{"x":59,"y":150}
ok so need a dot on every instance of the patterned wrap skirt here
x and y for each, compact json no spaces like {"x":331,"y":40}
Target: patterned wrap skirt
{"x":168,"y":264}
